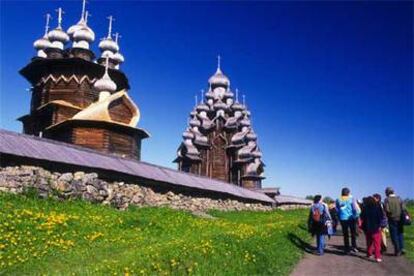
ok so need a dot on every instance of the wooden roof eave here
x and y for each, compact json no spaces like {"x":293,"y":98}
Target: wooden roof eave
{"x":96,"y":123}
{"x":40,"y":67}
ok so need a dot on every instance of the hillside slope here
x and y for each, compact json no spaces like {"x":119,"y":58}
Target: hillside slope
{"x":76,"y":237}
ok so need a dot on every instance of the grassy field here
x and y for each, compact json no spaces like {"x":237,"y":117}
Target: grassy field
{"x":409,"y":236}
{"x":46,"y":237}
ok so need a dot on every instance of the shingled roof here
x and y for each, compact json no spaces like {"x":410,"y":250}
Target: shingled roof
{"x":41,"y":149}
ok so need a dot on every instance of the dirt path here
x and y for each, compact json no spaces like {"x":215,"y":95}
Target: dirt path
{"x":334,"y":262}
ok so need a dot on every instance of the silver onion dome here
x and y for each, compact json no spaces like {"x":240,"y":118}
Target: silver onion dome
{"x":108,"y":44}
{"x":118,"y":57}
{"x":71,"y":31}
{"x":105,"y":84}
{"x":57,"y":36}
{"x":251,"y":136}
{"x":257,"y":153}
{"x":219,"y":79}
{"x":42,"y":43}
{"x":84,"y":34}
{"x":202,"y":107}
{"x":194,"y":122}
{"x":81,"y":23}
{"x":237,"y":106}
{"x":188,"y":134}
{"x":220,"y":105}
{"x":245,"y":122}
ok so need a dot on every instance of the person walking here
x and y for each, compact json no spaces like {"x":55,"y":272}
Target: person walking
{"x":384,"y":223}
{"x":348,"y":213}
{"x":393,"y":208}
{"x":372,"y":217}
{"x":334,"y":215}
{"x":318,"y":219}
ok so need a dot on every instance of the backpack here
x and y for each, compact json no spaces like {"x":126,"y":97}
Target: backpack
{"x":316,"y":215}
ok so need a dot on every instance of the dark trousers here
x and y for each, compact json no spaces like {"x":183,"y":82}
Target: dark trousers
{"x":396,"y":233}
{"x":349,"y":225}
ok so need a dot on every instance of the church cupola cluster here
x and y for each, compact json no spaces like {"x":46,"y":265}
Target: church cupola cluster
{"x":219,"y":141}
{"x":79,"y":99}
{"x":53,"y":43}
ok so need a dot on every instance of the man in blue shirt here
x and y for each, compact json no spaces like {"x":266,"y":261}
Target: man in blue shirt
{"x":348,"y":213}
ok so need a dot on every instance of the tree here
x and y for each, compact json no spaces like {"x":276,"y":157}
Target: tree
{"x":409,"y":202}
{"x":310,"y":197}
{"x":328,"y":199}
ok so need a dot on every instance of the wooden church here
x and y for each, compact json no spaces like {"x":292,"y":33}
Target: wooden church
{"x":77,"y":98}
{"x":220,"y":142}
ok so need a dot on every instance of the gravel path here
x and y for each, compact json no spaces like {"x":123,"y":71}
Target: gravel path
{"x":334,"y":262}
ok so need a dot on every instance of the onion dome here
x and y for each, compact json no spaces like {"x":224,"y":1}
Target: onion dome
{"x":237,"y":106}
{"x":239,"y":136}
{"x":83,"y":35}
{"x":251,"y":136}
{"x":42,"y":43}
{"x":71,"y":31}
{"x":191,"y":149}
{"x":200,"y":139}
{"x":246,"y":151}
{"x":193,"y":113}
{"x":194,"y":122}
{"x":253,"y":167}
{"x":219,"y":79}
{"x":188,"y":134}
{"x":219,"y":105}
{"x":81,"y":23}
{"x":57,"y":36}
{"x":105,"y":84}
{"x":118,"y":57}
{"x":202,"y":107}
{"x":245,"y":122}
{"x":108,"y":44}
{"x":257,"y":153}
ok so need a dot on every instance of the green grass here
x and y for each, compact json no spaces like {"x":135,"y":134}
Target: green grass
{"x":47,"y":237}
{"x":409,"y":236}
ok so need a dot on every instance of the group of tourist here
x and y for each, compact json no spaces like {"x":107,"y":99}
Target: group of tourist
{"x":371,"y":216}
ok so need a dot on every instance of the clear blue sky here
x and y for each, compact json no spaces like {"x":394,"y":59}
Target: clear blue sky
{"x":329,"y":84}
